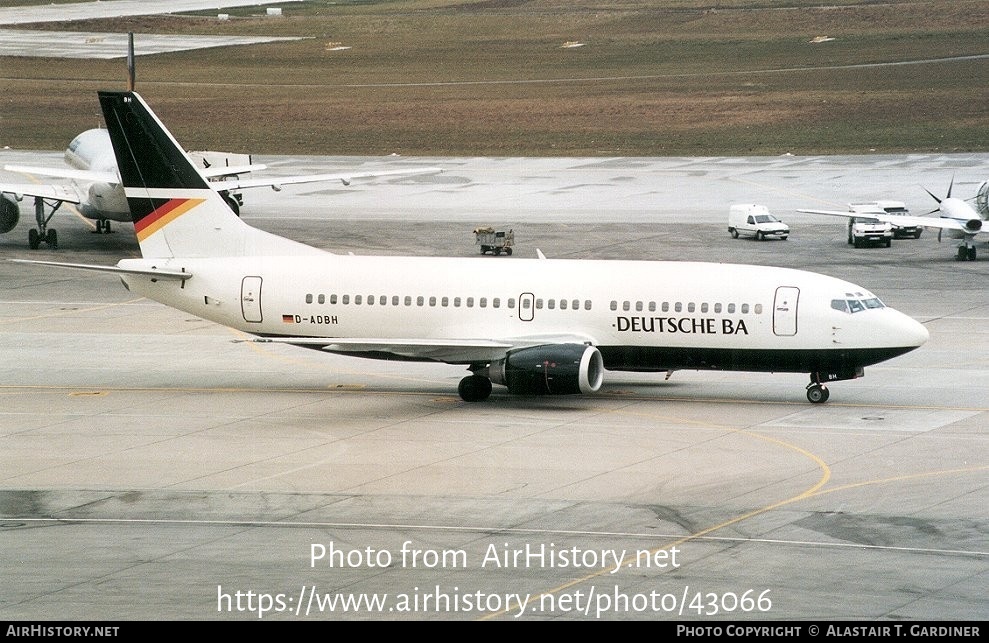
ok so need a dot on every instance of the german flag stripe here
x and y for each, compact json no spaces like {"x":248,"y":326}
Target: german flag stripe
{"x":163,"y":215}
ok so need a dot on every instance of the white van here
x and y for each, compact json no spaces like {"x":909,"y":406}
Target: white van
{"x":755,"y":221}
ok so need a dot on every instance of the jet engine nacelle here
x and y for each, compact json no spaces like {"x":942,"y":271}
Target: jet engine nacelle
{"x":560,"y":369}
{"x":10,"y":214}
{"x":973,"y":225}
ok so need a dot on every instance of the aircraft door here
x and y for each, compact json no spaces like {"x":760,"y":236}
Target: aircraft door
{"x":250,"y":299}
{"x":527,"y":306}
{"x":785,"y":311}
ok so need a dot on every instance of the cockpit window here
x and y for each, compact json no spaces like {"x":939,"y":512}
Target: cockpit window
{"x":855,"y":305}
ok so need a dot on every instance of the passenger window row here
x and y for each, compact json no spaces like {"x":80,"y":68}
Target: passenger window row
{"x":689,"y":307}
{"x":445,"y":302}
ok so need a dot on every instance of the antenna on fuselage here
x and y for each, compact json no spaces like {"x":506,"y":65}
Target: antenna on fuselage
{"x":130,"y":62}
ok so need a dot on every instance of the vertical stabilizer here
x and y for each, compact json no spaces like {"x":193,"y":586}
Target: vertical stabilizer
{"x":175,"y":211}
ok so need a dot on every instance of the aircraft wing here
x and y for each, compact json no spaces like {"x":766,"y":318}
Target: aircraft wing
{"x":901,"y":220}
{"x":449,"y":351}
{"x":66,"y":173}
{"x":345,"y":177}
{"x":54,"y":192}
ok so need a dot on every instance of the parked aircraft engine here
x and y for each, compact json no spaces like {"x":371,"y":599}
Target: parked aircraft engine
{"x":982,"y":200}
{"x":233,"y":201}
{"x":561,"y":369}
{"x":10,"y":213}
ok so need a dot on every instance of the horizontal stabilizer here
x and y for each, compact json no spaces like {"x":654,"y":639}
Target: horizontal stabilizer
{"x":160,"y":273}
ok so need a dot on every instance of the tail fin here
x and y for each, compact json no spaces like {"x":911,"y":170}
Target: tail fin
{"x":175,"y":211}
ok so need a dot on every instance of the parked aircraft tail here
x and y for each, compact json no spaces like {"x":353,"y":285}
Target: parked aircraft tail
{"x":175,"y":212}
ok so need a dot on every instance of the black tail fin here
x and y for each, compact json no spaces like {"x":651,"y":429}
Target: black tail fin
{"x":175,"y":211}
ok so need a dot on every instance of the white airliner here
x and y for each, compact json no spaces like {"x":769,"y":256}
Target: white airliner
{"x":536,"y":326}
{"x":957,"y":217}
{"x":95,"y":185}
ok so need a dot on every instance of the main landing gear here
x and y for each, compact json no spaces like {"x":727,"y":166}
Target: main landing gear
{"x":43,"y":233}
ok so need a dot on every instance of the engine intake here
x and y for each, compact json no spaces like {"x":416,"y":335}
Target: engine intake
{"x":560,"y":369}
{"x":10,"y":214}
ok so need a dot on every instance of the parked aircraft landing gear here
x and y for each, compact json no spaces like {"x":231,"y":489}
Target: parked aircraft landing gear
{"x":817,"y":393}
{"x":103,"y":226}
{"x":474,"y":388}
{"x":966,"y":253}
{"x":42,"y":233}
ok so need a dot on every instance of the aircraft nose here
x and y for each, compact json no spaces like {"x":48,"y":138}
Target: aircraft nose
{"x":911,"y":331}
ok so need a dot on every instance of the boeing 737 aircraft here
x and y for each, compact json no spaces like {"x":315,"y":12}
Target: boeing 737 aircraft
{"x":95,"y":186}
{"x":957,"y":217}
{"x":536,"y":326}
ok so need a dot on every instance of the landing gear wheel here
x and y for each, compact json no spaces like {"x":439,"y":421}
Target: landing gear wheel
{"x":818,"y":394}
{"x":971,"y":253}
{"x":474,"y":388}
{"x":52,"y":239}
{"x":33,"y":239}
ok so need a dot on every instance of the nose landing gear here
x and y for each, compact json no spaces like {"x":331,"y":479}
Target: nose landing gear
{"x":817,"y":393}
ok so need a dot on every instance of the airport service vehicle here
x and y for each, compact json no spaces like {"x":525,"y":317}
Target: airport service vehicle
{"x":869,"y":231}
{"x":535,"y":326}
{"x":893,"y":208}
{"x":755,"y":221}
{"x":494,"y":241}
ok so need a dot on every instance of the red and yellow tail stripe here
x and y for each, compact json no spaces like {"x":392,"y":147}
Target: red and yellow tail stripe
{"x":162,"y":215}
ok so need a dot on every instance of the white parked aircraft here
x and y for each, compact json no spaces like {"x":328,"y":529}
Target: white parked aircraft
{"x":957,"y":217}
{"x":95,"y":188}
{"x":536,"y":326}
